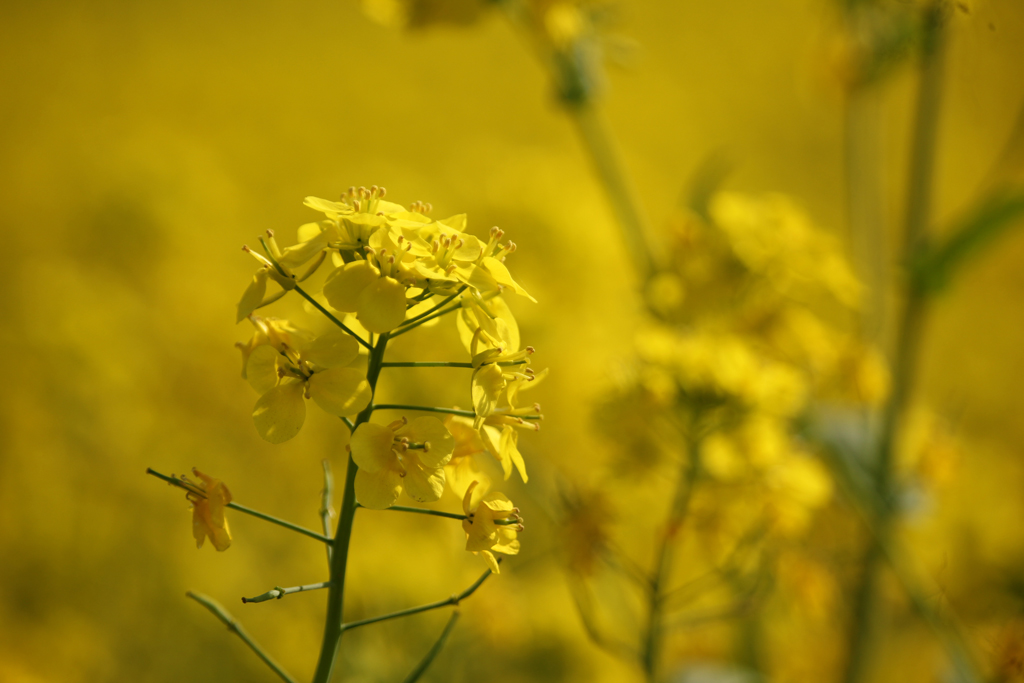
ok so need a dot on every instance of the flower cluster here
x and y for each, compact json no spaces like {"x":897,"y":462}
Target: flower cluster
{"x":393,"y":269}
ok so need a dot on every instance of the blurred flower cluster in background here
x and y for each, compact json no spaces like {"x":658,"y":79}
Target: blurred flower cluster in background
{"x":733,"y":217}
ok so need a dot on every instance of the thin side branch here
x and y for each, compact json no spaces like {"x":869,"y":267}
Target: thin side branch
{"x":174,"y":481}
{"x":277,"y":592}
{"x":237,"y":629}
{"x":434,"y":651}
{"x":453,"y":600}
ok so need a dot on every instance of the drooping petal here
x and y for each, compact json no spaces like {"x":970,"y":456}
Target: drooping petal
{"x":491,"y":561}
{"x":261,"y":368}
{"x":378,"y":490}
{"x":467,"y":499}
{"x":371,"y":448}
{"x":500,"y":273}
{"x":343,"y":286}
{"x":340,"y":391}
{"x":491,"y":436}
{"x":487,"y":385}
{"x":422,"y":483}
{"x":280,"y":412}
{"x":296,"y":255}
{"x":331,"y":350}
{"x":308,"y":231}
{"x":381,"y":305}
{"x":253,"y":295}
{"x":510,"y":451}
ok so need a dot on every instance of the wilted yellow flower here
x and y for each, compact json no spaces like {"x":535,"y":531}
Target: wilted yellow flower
{"x":483,"y":534}
{"x":402,"y":455}
{"x":208,"y":496}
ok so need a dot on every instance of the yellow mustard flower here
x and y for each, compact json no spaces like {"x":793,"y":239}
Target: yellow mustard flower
{"x":495,"y":393}
{"x":209,"y":497}
{"x":464,"y":467}
{"x":403,"y":455}
{"x":285,"y":375}
{"x":483,"y":534}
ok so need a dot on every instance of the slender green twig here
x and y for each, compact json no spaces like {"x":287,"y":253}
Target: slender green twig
{"x":351,"y":425}
{"x":333,"y":628}
{"x":249,"y":511}
{"x":677,"y":514}
{"x":434,"y":409}
{"x":327,"y":503}
{"x":453,"y":600}
{"x":419,"y":321}
{"x":237,"y":629}
{"x":277,"y":592}
{"x":430,"y":310}
{"x":907,"y":337}
{"x":448,"y":515}
{"x":415,"y":674}
{"x":307,"y":297}
{"x":445,"y":364}
{"x":331,"y":316}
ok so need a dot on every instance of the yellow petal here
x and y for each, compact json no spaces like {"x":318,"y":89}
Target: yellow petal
{"x":492,"y":563}
{"x":381,"y":306}
{"x":498,"y":502}
{"x":332,"y":209}
{"x":331,"y":350}
{"x":371,"y":447}
{"x":510,"y":451}
{"x":280,"y":412}
{"x":295,"y":256}
{"x":343,"y":287}
{"x":340,"y":391}
{"x":253,"y":295}
{"x":500,"y":273}
{"x":422,"y":483}
{"x":491,"y":437}
{"x":431,"y":430}
{"x":261,"y":368}
{"x":308,"y":231}
{"x":378,"y":490}
{"x":456,"y":222}
{"x":487,"y":384}
{"x":467,"y":499}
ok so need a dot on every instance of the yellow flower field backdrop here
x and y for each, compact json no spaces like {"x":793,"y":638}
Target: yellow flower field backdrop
{"x":142,"y":144}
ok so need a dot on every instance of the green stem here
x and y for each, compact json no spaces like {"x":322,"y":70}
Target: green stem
{"x":331,"y":317}
{"x":420,"y":320}
{"x":327,"y":503}
{"x":447,"y":515}
{"x":907,"y":333}
{"x":652,"y":642}
{"x":237,"y":629}
{"x":434,"y":651}
{"x":277,"y":592}
{"x":453,"y":600}
{"x":599,"y":144}
{"x":333,"y":627}
{"x":249,"y":511}
{"x":445,"y":364}
{"x":430,"y":310}
{"x":433,"y":409}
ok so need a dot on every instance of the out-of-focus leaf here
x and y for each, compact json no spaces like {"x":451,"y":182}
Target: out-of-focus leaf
{"x":987,"y":222}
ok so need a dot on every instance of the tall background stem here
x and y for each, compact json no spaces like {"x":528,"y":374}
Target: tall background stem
{"x":907,"y":335}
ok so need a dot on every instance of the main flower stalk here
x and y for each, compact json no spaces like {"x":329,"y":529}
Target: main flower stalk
{"x":339,"y":558}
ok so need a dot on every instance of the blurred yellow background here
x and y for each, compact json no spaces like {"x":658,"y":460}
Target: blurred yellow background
{"x":141,"y":144}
